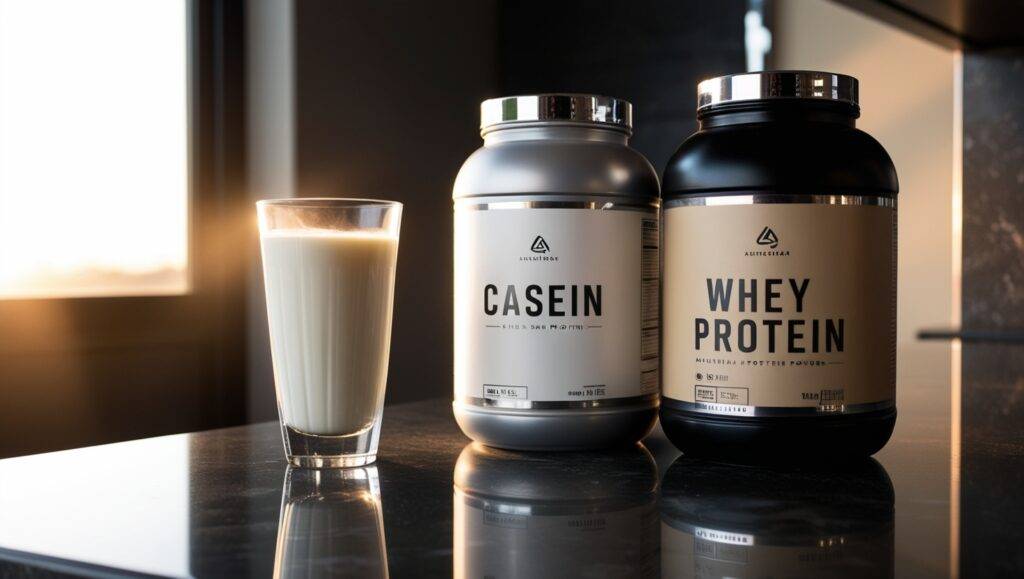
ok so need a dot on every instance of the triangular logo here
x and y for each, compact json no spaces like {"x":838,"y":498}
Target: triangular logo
{"x":768,"y":237}
{"x":539,"y":245}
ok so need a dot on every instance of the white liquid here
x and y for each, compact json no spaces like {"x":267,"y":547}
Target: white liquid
{"x":329,"y":297}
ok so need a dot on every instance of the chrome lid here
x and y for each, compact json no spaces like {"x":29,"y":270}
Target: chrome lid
{"x":776,"y":84}
{"x":558,"y":108}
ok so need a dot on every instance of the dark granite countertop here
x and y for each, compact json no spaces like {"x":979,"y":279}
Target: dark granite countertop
{"x":223,"y":503}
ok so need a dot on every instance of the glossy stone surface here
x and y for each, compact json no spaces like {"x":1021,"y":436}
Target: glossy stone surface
{"x":223,"y":504}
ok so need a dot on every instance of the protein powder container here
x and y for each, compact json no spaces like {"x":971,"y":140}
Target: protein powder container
{"x":556,"y":277}
{"x":780,"y":274}
{"x":722,"y":520}
{"x":535,"y":515}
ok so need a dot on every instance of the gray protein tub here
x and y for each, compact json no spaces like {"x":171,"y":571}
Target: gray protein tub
{"x":556,"y":277}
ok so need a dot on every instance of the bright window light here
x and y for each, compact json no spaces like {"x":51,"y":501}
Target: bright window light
{"x":93,"y":148}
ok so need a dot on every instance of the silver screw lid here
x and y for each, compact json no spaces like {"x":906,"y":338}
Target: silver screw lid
{"x":776,"y":84}
{"x":557,"y":108}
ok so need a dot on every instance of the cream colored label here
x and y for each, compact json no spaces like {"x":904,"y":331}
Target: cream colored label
{"x":785,"y":306}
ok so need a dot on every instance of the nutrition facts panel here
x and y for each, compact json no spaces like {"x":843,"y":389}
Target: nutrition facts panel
{"x":651,"y":279}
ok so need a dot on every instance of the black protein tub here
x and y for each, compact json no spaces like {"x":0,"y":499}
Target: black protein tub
{"x":779,"y":297}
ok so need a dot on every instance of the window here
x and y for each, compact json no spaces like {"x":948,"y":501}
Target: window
{"x":93,"y":148}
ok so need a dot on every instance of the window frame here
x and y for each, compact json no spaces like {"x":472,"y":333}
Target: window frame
{"x":208,"y":321}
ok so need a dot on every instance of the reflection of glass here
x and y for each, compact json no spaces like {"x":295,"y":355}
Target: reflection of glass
{"x":734,"y":521}
{"x":555,"y":514}
{"x":331,"y":525}
{"x":329,"y":272}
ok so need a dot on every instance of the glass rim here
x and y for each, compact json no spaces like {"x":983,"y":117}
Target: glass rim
{"x":329,"y":202}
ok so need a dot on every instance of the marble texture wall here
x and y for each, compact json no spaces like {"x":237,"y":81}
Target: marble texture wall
{"x":993,"y":259}
{"x":993,"y":300}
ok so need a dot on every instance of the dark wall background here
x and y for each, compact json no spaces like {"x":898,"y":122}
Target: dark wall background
{"x":649,"y":52}
{"x":387,"y":98}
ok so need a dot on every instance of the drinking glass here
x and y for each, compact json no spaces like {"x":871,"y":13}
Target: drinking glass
{"x":329,"y":273}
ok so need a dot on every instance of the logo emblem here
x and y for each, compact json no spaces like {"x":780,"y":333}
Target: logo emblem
{"x":539,"y":245}
{"x":767,"y":237}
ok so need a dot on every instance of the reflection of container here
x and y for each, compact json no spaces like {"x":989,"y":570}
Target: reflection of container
{"x":780,"y":274}
{"x":331,"y":525}
{"x":556,"y":277}
{"x":548,"y":515}
{"x":732,"y":521}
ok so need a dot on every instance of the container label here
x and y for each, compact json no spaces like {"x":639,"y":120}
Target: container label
{"x":778,"y":308}
{"x":555,"y":304}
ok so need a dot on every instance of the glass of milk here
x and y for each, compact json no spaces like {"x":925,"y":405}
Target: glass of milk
{"x":329,"y":273}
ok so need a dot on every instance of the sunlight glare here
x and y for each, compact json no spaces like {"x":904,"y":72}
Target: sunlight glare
{"x":93,"y":148}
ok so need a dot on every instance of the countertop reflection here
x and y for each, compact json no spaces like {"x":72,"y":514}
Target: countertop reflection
{"x":331,"y":524}
{"x":734,"y":521}
{"x":541,"y":514}
{"x":224,"y":504}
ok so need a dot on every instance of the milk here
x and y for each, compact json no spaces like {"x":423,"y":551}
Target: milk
{"x":329,"y":301}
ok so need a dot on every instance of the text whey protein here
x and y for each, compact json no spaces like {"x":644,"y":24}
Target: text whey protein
{"x":780,"y":283}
